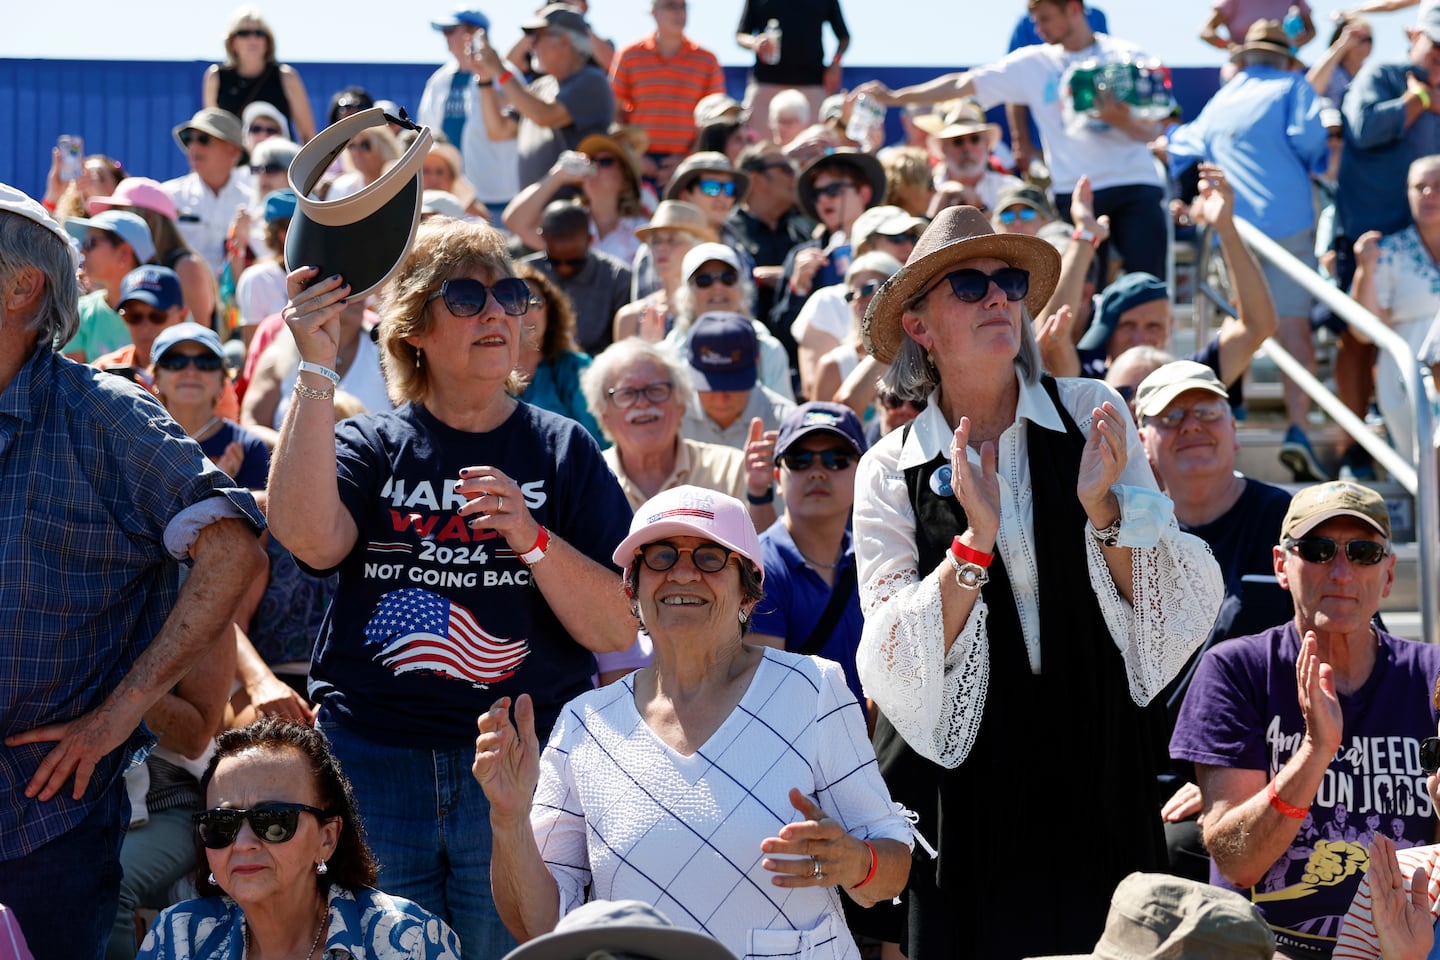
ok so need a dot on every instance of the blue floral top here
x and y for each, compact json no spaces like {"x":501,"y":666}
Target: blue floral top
{"x":365,"y":924}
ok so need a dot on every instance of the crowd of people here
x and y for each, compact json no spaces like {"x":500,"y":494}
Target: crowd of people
{"x":745,"y":536}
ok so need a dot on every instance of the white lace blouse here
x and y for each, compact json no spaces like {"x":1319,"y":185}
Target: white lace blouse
{"x":936,"y":699}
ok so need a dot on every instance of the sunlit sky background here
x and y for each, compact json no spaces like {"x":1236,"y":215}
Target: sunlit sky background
{"x":884,"y":32}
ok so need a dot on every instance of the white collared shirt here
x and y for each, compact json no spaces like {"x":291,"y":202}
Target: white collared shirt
{"x":205,"y":216}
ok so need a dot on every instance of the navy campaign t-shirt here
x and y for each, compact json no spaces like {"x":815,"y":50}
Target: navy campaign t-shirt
{"x":1242,"y":712}
{"x":433,"y":621}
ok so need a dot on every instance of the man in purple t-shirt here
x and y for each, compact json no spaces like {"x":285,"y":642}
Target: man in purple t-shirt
{"x":1288,"y":782}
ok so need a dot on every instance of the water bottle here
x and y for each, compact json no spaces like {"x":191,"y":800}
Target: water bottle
{"x":772,"y":31}
{"x":1293,"y":24}
{"x":867,"y":123}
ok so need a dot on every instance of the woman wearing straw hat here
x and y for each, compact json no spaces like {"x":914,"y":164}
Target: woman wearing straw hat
{"x":1027,"y":592}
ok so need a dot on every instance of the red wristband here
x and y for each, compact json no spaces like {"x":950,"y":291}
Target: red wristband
{"x":968,"y":554}
{"x":537,"y":553}
{"x":1289,"y":810}
{"x":504,"y":78}
{"x":874,"y":864}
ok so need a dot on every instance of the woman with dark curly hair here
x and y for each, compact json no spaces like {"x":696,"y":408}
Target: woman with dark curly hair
{"x":549,"y":358}
{"x":282,"y":863}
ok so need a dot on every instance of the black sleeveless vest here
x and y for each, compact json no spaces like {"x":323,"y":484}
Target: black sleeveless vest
{"x":1056,"y":801}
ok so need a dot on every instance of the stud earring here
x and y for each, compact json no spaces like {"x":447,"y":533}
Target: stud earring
{"x":212,"y":881}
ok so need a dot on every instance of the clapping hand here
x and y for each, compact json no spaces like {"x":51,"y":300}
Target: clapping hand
{"x":507,"y":757}
{"x":1102,"y":463}
{"x":1319,"y":704}
{"x":978,"y":491}
{"x":1403,"y":922}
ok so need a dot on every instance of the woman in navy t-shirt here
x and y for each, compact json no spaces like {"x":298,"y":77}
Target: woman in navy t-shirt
{"x":472,"y":535}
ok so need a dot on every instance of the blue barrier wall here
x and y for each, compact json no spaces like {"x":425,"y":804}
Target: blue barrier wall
{"x":127,"y":108}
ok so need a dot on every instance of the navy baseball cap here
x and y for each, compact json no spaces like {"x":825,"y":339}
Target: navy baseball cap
{"x":724,"y":352}
{"x":462,"y":17}
{"x":1128,"y":292}
{"x":820,"y":416}
{"x":158,"y":286}
{"x":187,"y":332}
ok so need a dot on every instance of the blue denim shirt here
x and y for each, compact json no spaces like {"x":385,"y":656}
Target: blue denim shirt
{"x":1263,"y":129}
{"x":101,"y":493}
{"x":1379,"y":149}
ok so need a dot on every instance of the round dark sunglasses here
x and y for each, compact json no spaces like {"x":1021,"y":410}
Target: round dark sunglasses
{"x":174,"y":362}
{"x":272,"y":823}
{"x":707,"y":558}
{"x":188,"y":137}
{"x":465,"y":297}
{"x":1365,"y":553}
{"x":972,"y":285}
{"x":707,"y":280}
{"x":1430,"y":754}
{"x":800,"y":460}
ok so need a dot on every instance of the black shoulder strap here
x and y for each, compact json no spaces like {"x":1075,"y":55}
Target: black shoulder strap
{"x":839,"y":597}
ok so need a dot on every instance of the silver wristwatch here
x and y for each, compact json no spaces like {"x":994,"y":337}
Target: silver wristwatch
{"x":969,"y":576}
{"x":1108,"y":537}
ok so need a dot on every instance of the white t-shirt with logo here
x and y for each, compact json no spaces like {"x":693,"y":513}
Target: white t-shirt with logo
{"x":1031,"y":77}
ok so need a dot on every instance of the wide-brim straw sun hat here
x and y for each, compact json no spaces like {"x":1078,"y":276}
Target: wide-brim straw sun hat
{"x":956,"y":234}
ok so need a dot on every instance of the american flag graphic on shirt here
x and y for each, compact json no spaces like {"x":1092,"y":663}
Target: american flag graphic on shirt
{"x":420,"y":630}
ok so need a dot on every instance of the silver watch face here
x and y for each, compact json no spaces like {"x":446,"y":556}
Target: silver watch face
{"x":971,"y":576}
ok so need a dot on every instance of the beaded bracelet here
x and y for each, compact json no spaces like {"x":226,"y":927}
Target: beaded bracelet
{"x":311,"y":394}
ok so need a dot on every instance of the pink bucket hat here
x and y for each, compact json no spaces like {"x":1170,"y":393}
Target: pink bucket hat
{"x":135,"y":192}
{"x":687,"y":511}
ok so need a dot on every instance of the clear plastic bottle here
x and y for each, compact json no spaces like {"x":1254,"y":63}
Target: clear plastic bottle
{"x":867,"y":123}
{"x":772,"y":31}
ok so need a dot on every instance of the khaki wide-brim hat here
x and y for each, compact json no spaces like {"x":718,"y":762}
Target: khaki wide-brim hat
{"x":966,"y":118}
{"x":679,"y":215}
{"x":362,"y":237}
{"x":956,"y":234}
{"x":220,"y":124}
{"x":1266,"y":36}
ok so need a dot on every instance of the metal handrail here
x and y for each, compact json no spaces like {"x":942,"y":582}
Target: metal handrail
{"x":1421,"y":480}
